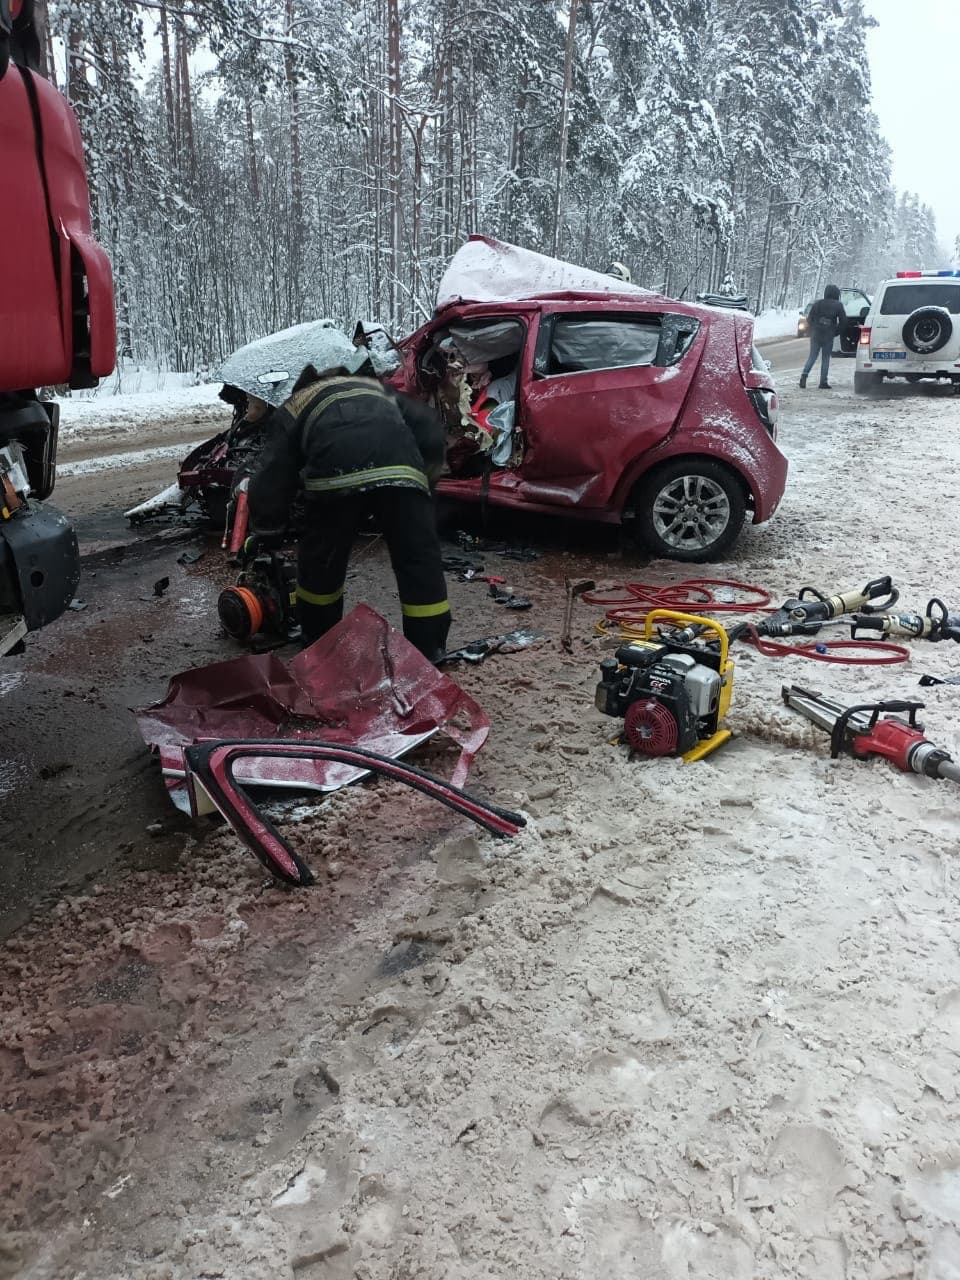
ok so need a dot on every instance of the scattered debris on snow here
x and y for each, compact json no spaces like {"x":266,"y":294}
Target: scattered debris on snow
{"x":702,"y":1022}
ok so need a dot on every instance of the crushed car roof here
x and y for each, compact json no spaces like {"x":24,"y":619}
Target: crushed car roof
{"x":257,"y":367}
{"x":488,"y":270}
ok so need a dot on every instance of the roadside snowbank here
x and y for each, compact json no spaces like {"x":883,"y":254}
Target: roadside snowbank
{"x":123,"y":461}
{"x":137,"y":379}
{"x":779,"y":322}
{"x":83,"y":410}
{"x":138,"y":415}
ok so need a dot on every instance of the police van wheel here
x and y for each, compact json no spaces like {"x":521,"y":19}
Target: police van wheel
{"x":927,"y":330}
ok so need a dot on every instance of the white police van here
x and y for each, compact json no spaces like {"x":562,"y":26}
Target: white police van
{"x":912,"y":330}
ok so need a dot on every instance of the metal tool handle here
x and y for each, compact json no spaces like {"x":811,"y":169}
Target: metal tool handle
{"x":668,"y":615}
{"x":874,"y":589}
{"x":843,"y":725}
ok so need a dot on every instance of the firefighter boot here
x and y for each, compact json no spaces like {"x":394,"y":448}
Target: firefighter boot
{"x":428,"y":633}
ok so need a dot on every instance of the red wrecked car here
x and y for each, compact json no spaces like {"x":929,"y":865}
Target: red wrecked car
{"x":606,"y":403}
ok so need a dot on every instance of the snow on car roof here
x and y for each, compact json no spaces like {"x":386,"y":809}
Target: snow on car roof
{"x":256,"y":367}
{"x":489,"y":270}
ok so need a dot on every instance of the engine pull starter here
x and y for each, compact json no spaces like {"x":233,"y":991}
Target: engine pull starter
{"x":672,"y":690}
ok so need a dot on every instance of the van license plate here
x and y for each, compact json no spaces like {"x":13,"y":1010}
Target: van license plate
{"x":889,"y":355}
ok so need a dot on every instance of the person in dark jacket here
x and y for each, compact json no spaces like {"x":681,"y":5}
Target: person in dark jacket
{"x":357,"y":449}
{"x":825,"y":321}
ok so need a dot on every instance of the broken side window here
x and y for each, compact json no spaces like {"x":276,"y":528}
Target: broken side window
{"x":676,"y":338}
{"x":581,"y":343}
{"x":488,"y":341}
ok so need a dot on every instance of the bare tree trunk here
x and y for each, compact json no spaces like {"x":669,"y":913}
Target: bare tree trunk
{"x":394,"y":87}
{"x":41,"y":22}
{"x":448,"y":241}
{"x":293,"y":102}
{"x":787,"y":272}
{"x":296,"y":238}
{"x":252,"y":155}
{"x":167,"y":75}
{"x":76,"y":86}
{"x":765,"y":259}
{"x":378,"y":161}
{"x":182,"y":104}
{"x":564,"y":128}
{"x":186,"y":104}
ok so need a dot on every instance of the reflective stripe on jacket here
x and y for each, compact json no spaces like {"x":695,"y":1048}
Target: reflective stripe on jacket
{"x":338,"y":436}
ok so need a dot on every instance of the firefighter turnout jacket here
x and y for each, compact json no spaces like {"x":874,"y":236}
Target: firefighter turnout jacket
{"x":358,"y":451}
{"x":343,"y":435}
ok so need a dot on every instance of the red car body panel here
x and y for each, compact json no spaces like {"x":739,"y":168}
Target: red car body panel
{"x":44,"y":219}
{"x":589,"y":436}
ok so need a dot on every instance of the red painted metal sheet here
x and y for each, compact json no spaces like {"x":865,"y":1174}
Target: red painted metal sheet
{"x":32,"y":347}
{"x":362,"y":684}
{"x":44,"y":216}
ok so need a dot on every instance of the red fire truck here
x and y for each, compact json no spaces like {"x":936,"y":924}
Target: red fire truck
{"x":57,"y":323}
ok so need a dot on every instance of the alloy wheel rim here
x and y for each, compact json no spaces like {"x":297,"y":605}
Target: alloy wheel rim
{"x":691,"y":512}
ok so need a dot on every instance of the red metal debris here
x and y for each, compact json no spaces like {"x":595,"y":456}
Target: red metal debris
{"x":213,"y":785}
{"x":361,"y":685}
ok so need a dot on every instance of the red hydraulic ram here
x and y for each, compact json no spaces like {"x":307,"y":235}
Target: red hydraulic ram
{"x":861,"y":731}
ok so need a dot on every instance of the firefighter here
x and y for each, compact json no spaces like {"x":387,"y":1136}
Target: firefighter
{"x":358,"y":450}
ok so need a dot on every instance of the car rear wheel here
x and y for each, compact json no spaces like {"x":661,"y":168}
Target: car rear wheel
{"x":691,"y":509}
{"x":864,"y":384}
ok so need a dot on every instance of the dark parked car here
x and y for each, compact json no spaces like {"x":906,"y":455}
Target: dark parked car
{"x":856,"y":304}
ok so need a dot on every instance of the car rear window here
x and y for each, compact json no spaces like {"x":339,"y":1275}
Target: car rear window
{"x":901,"y":299}
{"x":580,"y":343}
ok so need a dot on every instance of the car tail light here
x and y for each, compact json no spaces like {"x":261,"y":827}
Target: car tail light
{"x":865,"y":333}
{"x":767,"y":406}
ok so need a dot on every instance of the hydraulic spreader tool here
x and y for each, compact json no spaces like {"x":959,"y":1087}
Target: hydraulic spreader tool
{"x":806,"y":613}
{"x":935,"y":623}
{"x":875,"y":729}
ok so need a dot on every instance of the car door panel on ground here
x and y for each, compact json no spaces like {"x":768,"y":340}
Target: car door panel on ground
{"x":595,"y":402}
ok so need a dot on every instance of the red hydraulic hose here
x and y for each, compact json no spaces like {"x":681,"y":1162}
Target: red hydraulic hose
{"x":695,"y":595}
{"x":877,"y":653}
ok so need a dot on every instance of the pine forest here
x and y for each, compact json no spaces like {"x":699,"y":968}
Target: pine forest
{"x":255,"y":163}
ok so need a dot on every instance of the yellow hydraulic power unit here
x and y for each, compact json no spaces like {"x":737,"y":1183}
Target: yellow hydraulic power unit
{"x":673,"y":689}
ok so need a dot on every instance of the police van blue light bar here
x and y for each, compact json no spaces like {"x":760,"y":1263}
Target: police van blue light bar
{"x":916,"y":275}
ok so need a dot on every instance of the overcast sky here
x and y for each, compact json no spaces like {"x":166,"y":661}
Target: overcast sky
{"x":913,"y":61}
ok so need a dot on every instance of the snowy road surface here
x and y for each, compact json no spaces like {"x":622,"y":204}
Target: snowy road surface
{"x":697,"y":1023}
